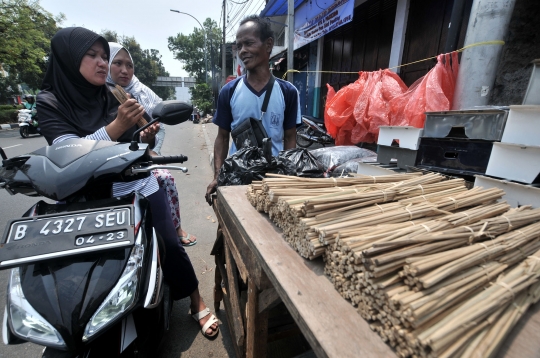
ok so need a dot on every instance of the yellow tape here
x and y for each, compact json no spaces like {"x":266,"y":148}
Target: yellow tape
{"x":483,"y":43}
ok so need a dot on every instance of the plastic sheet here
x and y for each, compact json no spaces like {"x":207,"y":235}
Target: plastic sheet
{"x":352,"y":165}
{"x":304,"y":164}
{"x":335,"y":156}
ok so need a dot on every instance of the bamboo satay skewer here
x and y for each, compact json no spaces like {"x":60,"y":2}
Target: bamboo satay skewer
{"x":121,"y":95}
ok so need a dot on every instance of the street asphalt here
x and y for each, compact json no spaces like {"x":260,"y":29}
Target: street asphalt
{"x":184,"y":338}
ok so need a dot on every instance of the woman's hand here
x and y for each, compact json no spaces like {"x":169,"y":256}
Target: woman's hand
{"x":149,"y":134}
{"x":129,"y":113}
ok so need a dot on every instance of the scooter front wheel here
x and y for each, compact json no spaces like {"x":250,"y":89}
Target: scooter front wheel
{"x":301,"y":141}
{"x":24,"y":131}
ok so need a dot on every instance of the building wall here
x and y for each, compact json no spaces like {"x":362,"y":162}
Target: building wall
{"x":182,"y":94}
{"x":522,"y":45}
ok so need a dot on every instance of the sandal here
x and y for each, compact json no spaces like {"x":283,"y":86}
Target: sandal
{"x":190,"y":243}
{"x":205,"y":312}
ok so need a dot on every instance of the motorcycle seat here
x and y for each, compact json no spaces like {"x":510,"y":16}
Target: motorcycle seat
{"x":314,"y":119}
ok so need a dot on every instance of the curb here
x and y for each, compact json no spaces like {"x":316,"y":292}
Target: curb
{"x":209,"y":147}
{"x":4,"y":127}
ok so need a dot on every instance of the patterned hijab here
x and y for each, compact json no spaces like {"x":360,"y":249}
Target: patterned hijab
{"x":144,"y":95}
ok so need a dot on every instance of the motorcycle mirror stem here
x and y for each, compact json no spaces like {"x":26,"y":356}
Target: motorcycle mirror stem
{"x":134,"y":144}
{"x":3,"y":154}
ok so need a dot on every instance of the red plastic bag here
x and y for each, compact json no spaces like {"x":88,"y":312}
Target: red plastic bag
{"x":372,"y":109}
{"x":389,"y":87}
{"x":431,"y":93}
{"x":360,"y":132}
{"x":330,"y":96}
{"x":340,"y":112}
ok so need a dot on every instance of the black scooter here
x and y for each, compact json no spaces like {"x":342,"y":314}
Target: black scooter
{"x":312,"y":131}
{"x":86,"y":277}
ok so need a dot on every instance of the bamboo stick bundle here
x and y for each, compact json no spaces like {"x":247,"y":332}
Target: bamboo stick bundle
{"x":408,"y":189}
{"x":400,"y":214}
{"x":377,"y":195}
{"x":433,"y":197}
{"x":435,"y":230}
{"x":431,"y":270}
{"x":489,"y":344}
{"x":486,"y":228}
{"x":472,"y":197}
{"x":483,"y":304}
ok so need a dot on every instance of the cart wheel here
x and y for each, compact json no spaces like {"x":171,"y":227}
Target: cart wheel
{"x":302,"y":142}
{"x":24,"y":132}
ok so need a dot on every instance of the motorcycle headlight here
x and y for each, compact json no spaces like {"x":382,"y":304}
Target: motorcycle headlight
{"x":122,"y":296}
{"x":26,"y":322}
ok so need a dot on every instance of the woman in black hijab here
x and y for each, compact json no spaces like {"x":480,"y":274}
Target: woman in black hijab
{"x":74,"y":103}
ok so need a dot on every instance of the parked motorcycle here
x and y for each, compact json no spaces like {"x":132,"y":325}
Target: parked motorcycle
{"x":28,"y":123}
{"x":86,"y":278}
{"x":312,"y":131}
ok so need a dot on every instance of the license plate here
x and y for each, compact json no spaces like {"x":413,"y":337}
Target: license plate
{"x":39,"y":238}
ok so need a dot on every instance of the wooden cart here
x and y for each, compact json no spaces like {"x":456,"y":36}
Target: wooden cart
{"x":254,"y":247}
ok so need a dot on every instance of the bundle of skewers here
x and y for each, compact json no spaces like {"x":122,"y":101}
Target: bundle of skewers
{"x":436,"y":269}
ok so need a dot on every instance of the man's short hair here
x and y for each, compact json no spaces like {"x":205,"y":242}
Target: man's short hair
{"x":263,"y":26}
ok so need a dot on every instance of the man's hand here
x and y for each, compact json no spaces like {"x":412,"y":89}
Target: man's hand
{"x":221,"y":147}
{"x":211,"y":189}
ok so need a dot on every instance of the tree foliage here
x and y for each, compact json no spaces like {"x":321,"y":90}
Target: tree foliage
{"x":190,"y":50}
{"x":26,"y":30}
{"x":201,"y":96}
{"x":147,"y":63}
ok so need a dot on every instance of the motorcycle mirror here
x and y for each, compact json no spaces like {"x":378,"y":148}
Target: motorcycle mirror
{"x":172,"y":112}
{"x":167,"y":112}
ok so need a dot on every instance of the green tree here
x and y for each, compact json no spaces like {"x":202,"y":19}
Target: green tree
{"x":201,"y":96}
{"x":25,"y":33}
{"x":190,"y":50}
{"x":148,"y":64}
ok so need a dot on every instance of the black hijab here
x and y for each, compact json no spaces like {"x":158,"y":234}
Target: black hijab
{"x":68,"y":103}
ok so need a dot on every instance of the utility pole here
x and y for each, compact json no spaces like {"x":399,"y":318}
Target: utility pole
{"x":488,"y":21}
{"x":290,"y":45}
{"x":224,"y":49}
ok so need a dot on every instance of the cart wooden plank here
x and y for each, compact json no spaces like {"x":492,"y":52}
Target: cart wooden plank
{"x":330,"y":324}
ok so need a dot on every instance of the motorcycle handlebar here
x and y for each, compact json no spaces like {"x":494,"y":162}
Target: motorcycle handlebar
{"x":169,"y":159}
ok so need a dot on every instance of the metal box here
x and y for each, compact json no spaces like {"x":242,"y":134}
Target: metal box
{"x":454,"y":155}
{"x":485,"y":124}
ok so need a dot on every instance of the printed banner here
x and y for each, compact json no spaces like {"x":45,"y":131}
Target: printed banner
{"x":338,"y":14}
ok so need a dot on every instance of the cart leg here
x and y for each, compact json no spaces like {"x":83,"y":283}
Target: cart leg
{"x":218,"y":292}
{"x":218,"y":278}
{"x":256,"y":326}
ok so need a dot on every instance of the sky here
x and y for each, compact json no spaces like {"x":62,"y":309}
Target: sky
{"x":151,"y":22}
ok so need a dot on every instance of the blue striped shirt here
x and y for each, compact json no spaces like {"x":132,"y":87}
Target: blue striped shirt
{"x":146,"y":186}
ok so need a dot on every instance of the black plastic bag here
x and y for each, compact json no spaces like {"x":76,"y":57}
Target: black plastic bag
{"x":300,"y":162}
{"x":244,"y":166}
{"x":249,"y":163}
